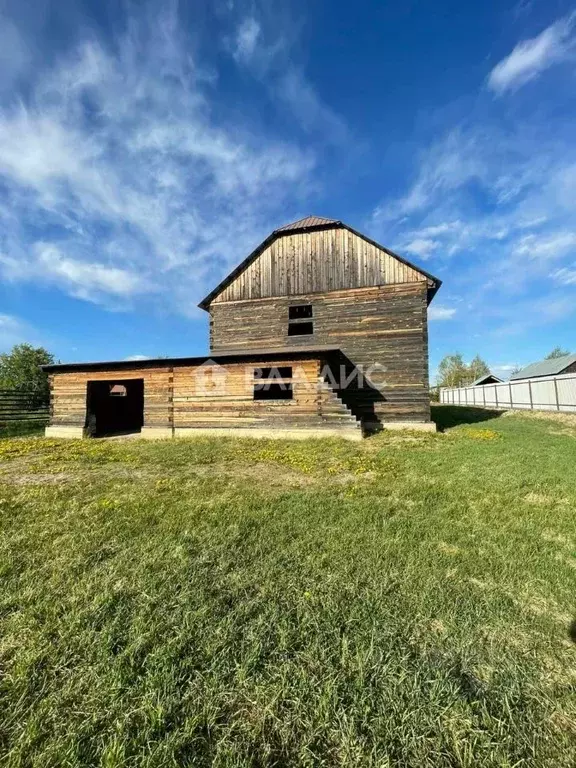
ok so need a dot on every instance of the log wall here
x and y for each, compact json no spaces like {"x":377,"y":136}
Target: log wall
{"x":211,"y":398}
{"x":68,"y":394}
{"x":204,"y":396}
{"x":384,"y":325}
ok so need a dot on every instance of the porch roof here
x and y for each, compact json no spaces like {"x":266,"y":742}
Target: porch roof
{"x":221,"y":358}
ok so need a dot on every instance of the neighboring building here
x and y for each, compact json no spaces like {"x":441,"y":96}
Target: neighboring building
{"x":553,"y":366}
{"x":319,"y":331}
{"x":487,"y":378}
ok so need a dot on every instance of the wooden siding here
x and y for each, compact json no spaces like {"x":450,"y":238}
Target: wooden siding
{"x":68,"y":394}
{"x":384,"y":325}
{"x":206,"y":396}
{"x":316,"y":262}
{"x":226,"y":399}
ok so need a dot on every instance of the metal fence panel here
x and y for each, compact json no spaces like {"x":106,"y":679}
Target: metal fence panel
{"x":504,"y":397}
{"x":547,"y":393}
{"x":566,"y":387}
{"x":490,"y":395}
{"x":544,"y":395}
{"x":521,"y":394}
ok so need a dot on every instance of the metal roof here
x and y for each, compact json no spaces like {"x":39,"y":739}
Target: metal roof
{"x":549,"y":367}
{"x":307,"y":222}
{"x":229,"y":356}
{"x":310,"y":222}
{"x":482,"y":379}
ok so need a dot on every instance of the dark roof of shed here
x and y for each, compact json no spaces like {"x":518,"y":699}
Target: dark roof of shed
{"x":221,"y":358}
{"x":550,"y":367}
{"x":482,"y":379}
{"x":309,"y":223}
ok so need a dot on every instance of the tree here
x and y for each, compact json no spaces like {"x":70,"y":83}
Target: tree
{"x":556,"y":352}
{"x":477,"y":368}
{"x":452,"y":371}
{"x":20,"y":369}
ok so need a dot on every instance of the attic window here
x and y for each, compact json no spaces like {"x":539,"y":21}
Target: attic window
{"x":300,"y":321}
{"x":300,"y":311}
{"x":273,"y":383}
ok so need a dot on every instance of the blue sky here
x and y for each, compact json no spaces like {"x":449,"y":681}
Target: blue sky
{"x":146,"y":148}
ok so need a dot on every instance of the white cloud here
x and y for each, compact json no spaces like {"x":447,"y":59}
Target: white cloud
{"x":13,"y":330}
{"x":265,"y":44}
{"x":447,"y":165}
{"x":504,"y":246}
{"x":443,"y":228}
{"x":491,"y":200}
{"x":135,"y":358}
{"x":85,"y":277}
{"x":421,"y":247}
{"x":120,"y":183}
{"x":436,"y":312}
{"x":552,"y":246}
{"x":304,"y":103}
{"x":246,"y":39}
{"x":565,"y":275}
{"x":531,"y":57}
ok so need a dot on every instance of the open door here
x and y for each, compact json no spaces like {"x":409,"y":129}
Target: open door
{"x":114,"y":407}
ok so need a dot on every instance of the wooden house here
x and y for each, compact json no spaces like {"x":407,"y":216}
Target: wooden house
{"x":319,"y":331}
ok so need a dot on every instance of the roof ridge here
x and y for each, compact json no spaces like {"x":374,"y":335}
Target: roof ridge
{"x":306,"y":222}
{"x":311,"y":222}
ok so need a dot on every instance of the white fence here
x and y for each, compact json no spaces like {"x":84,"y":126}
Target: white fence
{"x":547,"y":393}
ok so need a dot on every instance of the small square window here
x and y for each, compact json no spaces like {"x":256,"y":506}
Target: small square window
{"x":300,"y":321}
{"x":283,"y":372}
{"x":300,"y":329}
{"x":300,"y":312}
{"x":273,"y":392}
{"x":270,"y":384}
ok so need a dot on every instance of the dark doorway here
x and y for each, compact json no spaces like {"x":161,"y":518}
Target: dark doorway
{"x":114,"y":407}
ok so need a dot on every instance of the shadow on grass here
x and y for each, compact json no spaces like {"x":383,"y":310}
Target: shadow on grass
{"x":22,"y":429}
{"x":447,"y":416}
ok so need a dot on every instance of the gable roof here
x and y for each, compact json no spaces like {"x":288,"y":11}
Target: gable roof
{"x":307,"y":224}
{"x":551,"y":367}
{"x":482,"y":379}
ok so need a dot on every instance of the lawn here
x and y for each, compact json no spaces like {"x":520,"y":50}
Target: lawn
{"x":404,"y":601}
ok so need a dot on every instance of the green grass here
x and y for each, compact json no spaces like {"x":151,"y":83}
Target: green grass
{"x":405,"y":601}
{"x":22,"y":427}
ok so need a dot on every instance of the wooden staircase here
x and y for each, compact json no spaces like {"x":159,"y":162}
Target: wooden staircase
{"x":332,"y":409}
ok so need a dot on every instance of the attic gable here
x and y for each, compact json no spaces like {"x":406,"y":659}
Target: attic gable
{"x":315,"y":255}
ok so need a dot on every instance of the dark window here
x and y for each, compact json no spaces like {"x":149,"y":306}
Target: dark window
{"x":300,"y":312}
{"x":300,"y":329}
{"x":273,"y":392}
{"x":271,"y":384}
{"x":300,"y":320}
{"x":283,"y":372}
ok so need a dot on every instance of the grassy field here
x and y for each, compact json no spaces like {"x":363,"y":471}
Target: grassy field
{"x":405,"y":601}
